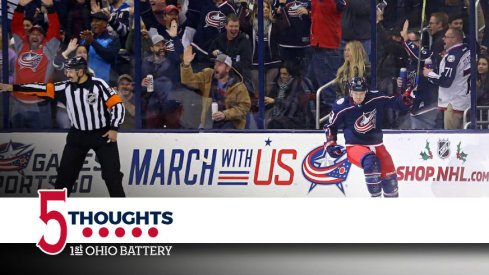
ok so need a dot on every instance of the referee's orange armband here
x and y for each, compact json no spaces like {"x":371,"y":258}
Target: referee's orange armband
{"x":113,"y":100}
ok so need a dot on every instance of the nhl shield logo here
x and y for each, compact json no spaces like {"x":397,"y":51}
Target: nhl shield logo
{"x":443,"y":148}
{"x":91,"y":99}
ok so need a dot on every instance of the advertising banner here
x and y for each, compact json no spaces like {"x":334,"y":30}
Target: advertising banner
{"x":249,"y":165}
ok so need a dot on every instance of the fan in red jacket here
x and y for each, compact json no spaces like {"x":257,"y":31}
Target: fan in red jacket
{"x":35,"y":50}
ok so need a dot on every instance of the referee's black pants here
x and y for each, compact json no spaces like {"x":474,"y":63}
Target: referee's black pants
{"x":78,"y":143}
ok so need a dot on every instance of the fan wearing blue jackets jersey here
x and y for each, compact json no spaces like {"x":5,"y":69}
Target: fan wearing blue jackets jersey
{"x":295,"y":40}
{"x":360,"y":115}
{"x":452,"y":79}
{"x":205,"y":20}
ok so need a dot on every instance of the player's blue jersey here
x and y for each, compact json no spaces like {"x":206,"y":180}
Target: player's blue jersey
{"x":362,"y":124}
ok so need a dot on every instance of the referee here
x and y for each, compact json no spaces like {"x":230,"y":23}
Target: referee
{"x":96,"y":112}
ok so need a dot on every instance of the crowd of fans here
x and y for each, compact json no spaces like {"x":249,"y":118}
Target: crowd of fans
{"x":200,"y":59}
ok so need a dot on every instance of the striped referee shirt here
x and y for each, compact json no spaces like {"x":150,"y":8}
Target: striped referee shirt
{"x":91,"y":105}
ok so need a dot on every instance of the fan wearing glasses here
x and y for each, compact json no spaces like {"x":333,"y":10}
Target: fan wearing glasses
{"x":451,"y":78}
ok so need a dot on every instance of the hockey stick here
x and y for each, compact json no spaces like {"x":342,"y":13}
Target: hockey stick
{"x":423,"y":18}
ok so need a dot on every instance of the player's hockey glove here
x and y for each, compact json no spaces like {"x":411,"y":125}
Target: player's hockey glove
{"x":332,"y":148}
{"x":335,"y":151}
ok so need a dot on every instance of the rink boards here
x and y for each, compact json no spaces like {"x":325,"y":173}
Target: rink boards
{"x":250,"y":165}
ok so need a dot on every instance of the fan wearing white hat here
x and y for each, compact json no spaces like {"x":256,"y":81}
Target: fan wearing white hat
{"x":221,"y":87}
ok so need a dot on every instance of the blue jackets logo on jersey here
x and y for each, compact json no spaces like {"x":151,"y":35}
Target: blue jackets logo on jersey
{"x":170,"y":46}
{"x":215,"y":19}
{"x":293,"y":8}
{"x":319,"y":168}
{"x":14,"y":156}
{"x":366,"y":122}
{"x":30,"y":60}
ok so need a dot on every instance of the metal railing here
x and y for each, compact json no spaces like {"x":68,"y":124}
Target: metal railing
{"x":318,"y":99}
{"x":482,"y":118}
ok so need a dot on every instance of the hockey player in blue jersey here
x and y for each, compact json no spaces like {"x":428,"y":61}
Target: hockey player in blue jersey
{"x":360,"y":115}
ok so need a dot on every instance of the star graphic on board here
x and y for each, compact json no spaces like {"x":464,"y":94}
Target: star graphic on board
{"x":9,"y":150}
{"x":267,"y":142}
{"x":323,"y":161}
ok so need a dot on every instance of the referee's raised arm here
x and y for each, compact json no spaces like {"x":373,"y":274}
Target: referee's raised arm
{"x":46,"y":90}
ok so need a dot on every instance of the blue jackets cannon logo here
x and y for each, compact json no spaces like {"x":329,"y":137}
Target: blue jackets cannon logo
{"x":14,"y":156}
{"x":320,"y":168}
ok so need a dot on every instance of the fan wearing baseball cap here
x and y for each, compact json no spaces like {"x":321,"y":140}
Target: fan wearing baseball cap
{"x":222,"y":85}
{"x":103,"y":47}
{"x":159,"y":110}
{"x":36,"y":51}
{"x":167,"y":23}
{"x":224,"y":59}
{"x":172,"y":24}
{"x":125,"y":88}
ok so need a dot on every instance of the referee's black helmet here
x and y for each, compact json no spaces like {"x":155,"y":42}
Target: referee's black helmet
{"x":76,"y":62}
